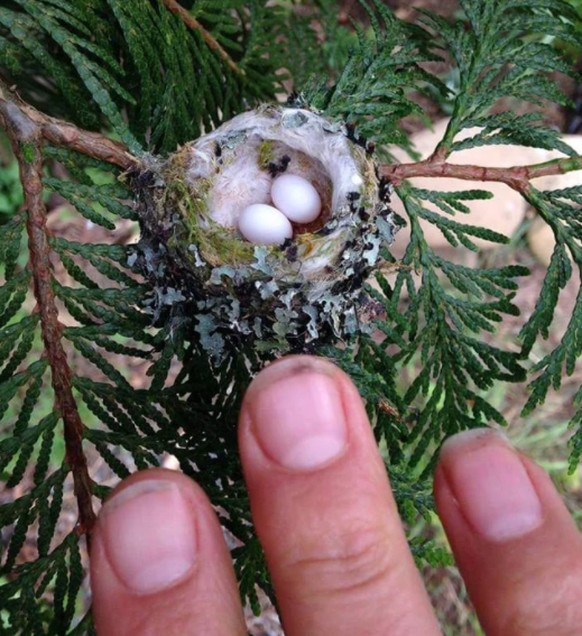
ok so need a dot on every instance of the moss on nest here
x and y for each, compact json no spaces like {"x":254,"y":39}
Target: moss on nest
{"x":265,"y":154}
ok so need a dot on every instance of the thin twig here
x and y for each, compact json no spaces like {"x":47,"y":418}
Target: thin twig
{"x":26,"y":138}
{"x":516,"y":177}
{"x":87,"y":143}
{"x":62,"y":133}
{"x":192,"y":23}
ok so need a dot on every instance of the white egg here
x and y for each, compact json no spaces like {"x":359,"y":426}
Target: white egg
{"x":296,"y":198}
{"x":264,"y":225}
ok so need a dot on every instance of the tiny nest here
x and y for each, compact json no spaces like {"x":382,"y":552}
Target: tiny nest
{"x":229,"y":291}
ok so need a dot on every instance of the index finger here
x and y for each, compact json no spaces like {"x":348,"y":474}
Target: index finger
{"x":323,"y":507}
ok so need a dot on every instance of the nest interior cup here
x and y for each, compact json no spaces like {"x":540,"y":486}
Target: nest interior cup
{"x":287,"y":296}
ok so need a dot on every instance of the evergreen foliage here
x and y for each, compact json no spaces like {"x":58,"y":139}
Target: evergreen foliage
{"x":141,"y":73}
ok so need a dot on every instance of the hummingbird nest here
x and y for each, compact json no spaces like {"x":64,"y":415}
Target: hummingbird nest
{"x":286,"y":297}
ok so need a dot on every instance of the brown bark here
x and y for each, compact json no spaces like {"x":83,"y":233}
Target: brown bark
{"x":517,"y":177}
{"x":26,"y":137}
{"x":62,"y":133}
{"x":192,"y":23}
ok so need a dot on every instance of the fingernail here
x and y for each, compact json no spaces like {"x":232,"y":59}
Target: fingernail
{"x":491,"y":484}
{"x":296,"y":414}
{"x":149,"y":536}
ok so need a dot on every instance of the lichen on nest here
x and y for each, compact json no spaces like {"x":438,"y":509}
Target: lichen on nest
{"x":288,"y":297}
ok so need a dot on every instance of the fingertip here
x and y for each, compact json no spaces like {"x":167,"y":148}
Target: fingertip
{"x":491,"y":484}
{"x":302,"y":412}
{"x":147,"y":552}
{"x":322,"y":505}
{"x":281,"y":368}
{"x":158,"y":557}
{"x":516,"y":545}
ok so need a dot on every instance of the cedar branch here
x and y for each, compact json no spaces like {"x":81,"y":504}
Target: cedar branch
{"x":516,"y":177}
{"x":28,"y":128}
{"x":26,"y":136}
{"x":192,"y":23}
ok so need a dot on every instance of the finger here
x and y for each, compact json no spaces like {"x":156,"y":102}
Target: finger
{"x":323,"y":508}
{"x":516,"y":545}
{"x":159,"y":563}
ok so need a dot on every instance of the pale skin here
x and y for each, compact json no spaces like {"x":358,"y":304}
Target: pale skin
{"x":326,"y":517}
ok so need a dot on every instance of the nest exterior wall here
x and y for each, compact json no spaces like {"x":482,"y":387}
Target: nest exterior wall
{"x":285,"y":297}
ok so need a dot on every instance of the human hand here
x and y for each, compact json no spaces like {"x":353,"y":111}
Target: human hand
{"x":334,"y":542}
